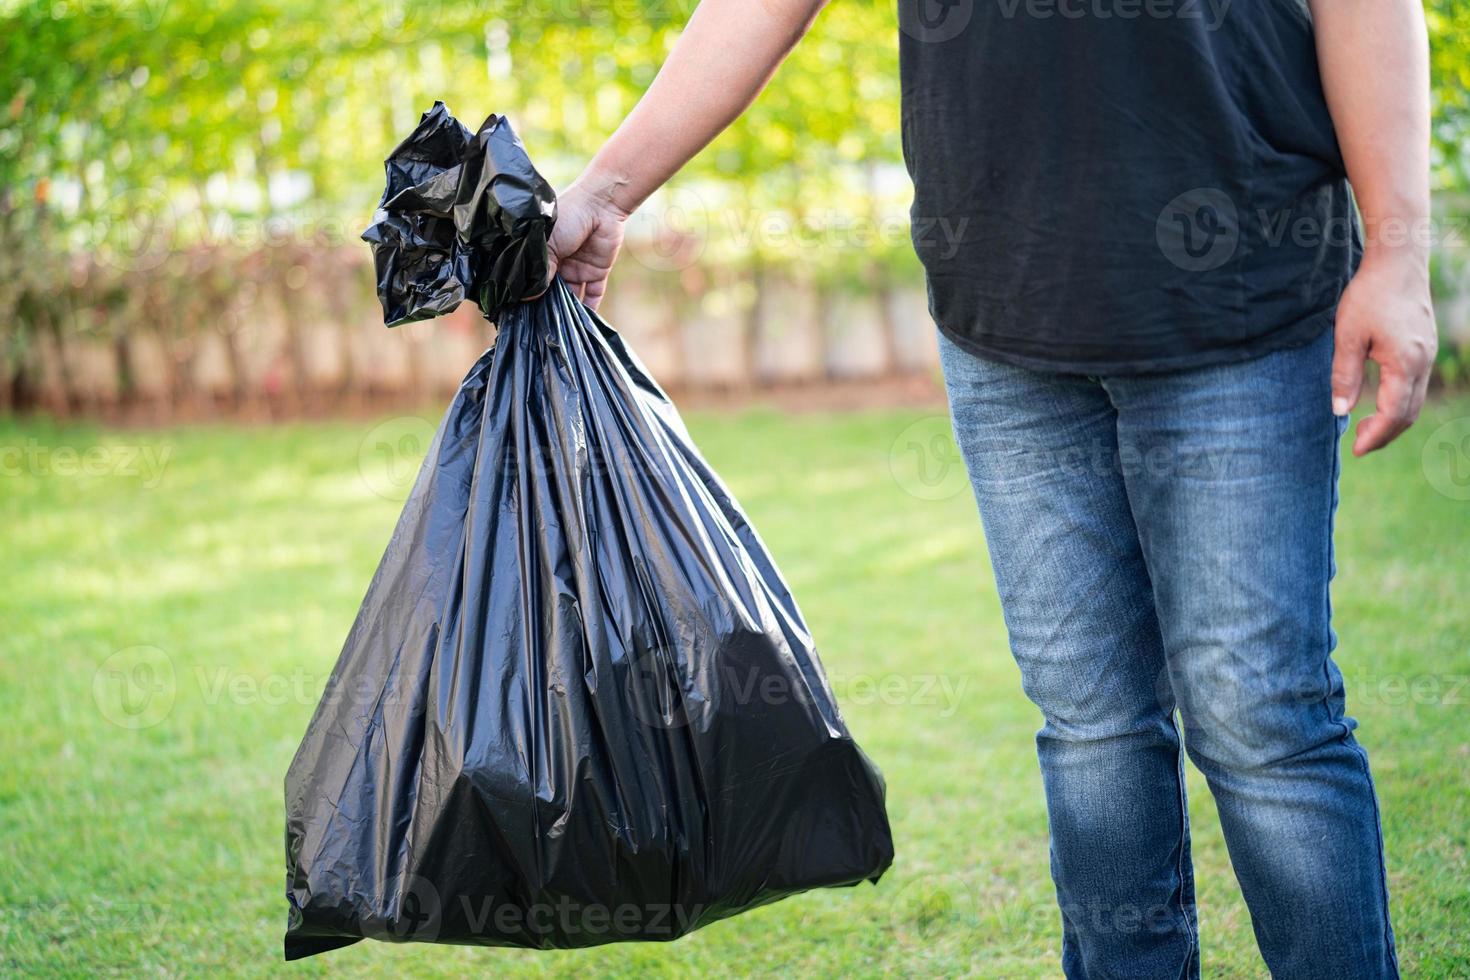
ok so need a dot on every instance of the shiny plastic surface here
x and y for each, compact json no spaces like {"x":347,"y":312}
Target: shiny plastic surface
{"x":579,"y":704}
{"x":464,"y":216}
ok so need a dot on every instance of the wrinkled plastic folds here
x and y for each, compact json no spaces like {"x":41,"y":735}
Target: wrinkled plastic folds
{"x":578,"y":704}
{"x":464,"y":216}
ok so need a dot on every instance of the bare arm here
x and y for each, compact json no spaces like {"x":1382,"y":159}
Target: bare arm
{"x":1374,"y":61}
{"x":722,"y":60}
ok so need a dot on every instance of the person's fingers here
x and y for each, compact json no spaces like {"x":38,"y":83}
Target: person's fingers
{"x":581,"y":250}
{"x":550,"y":275}
{"x":1421,"y":394}
{"x":1394,"y":411}
{"x":553,"y":265}
{"x":556,"y":261}
{"x":1375,"y":432}
{"x":575,"y":270}
{"x":595,"y":291}
{"x":1348,"y":354}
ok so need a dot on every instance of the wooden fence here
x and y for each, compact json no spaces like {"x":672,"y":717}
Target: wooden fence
{"x":303,"y":334}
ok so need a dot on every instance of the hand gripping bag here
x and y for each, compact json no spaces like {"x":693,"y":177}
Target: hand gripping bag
{"x":579,"y":704}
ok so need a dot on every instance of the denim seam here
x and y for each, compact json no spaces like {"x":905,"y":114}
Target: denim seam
{"x":1358,"y":751}
{"x":1393,"y":957}
{"x":1181,"y":868}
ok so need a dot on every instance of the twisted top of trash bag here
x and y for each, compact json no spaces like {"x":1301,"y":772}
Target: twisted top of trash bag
{"x":464,"y":216}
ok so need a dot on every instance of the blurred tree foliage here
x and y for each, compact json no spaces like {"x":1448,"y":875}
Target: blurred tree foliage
{"x":131,"y":129}
{"x":1449,"y":31}
{"x":123,"y":118}
{"x":119,"y":115}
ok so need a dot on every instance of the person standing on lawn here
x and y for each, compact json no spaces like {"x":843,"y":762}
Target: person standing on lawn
{"x":1154,"y":306}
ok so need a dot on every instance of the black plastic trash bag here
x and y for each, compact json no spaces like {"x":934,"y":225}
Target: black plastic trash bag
{"x":578,"y":705}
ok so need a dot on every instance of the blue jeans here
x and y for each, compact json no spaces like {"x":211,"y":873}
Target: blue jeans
{"x":1164,"y":542}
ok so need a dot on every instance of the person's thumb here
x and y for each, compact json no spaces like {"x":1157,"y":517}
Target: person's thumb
{"x":559,"y":244}
{"x":1349,"y":353}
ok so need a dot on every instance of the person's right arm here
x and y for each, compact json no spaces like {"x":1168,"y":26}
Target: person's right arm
{"x":722,"y":60}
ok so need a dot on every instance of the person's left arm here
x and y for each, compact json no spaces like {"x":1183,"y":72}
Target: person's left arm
{"x":1374,"y":59}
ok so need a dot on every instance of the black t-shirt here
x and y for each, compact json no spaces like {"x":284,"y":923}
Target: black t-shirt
{"x":1122,"y":186}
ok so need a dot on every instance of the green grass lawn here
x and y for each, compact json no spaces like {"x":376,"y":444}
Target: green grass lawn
{"x":211,"y":574}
